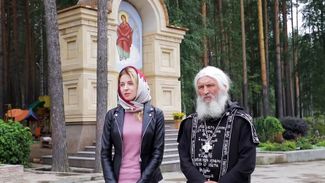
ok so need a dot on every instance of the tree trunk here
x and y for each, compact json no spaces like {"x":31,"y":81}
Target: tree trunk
{"x":101,"y":77}
{"x":243,"y":39}
{"x":216,"y":46}
{"x":1,"y":65}
{"x":40,"y":66}
{"x":42,"y":62}
{"x":278,"y":81}
{"x":266,"y":33}
{"x":4,"y":21}
{"x":59,"y":148}
{"x":295,"y":61}
{"x":293,"y":55}
{"x":205,"y":40}
{"x":30,"y":41}
{"x":15,"y":62}
{"x":254,"y":106}
{"x":28,"y":61}
{"x":287,"y":64}
{"x":262,"y":60}
{"x":228,"y":51}
{"x":222,"y":36}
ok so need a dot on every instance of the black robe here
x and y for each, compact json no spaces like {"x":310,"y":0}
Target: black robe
{"x":233,"y":154}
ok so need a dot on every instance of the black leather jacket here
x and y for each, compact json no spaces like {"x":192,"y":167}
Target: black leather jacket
{"x":152,"y":146}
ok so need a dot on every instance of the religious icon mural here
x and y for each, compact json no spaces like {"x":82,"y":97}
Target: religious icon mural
{"x":124,"y":38}
{"x":128,"y":37}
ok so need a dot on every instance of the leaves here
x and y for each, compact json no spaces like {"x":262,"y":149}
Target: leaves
{"x":178,"y":115}
{"x":15,"y":141}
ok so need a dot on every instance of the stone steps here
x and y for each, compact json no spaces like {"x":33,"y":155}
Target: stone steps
{"x":171,"y":145}
{"x":86,"y":157}
{"x":169,"y":150}
{"x":89,"y":162}
{"x":170,"y":166}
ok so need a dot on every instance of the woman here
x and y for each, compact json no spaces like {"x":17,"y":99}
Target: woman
{"x":124,"y":39}
{"x":136,"y":131}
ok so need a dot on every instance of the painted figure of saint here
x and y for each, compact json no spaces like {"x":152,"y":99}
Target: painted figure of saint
{"x":124,"y":38}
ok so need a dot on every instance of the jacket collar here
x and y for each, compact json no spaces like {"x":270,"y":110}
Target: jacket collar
{"x":148,"y":114}
{"x":119,"y":116}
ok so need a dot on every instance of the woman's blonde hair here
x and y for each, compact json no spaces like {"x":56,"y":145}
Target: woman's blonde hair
{"x":130,"y":72}
{"x":139,"y":115}
{"x":134,"y":77}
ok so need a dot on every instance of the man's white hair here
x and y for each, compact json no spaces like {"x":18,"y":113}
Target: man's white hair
{"x":216,"y":107}
{"x":215,"y":73}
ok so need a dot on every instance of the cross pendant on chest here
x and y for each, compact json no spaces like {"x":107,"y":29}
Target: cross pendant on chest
{"x":207,"y":146}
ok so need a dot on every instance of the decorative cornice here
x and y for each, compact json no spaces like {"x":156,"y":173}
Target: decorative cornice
{"x":77,"y":16}
{"x":76,"y":7}
{"x":168,"y":36}
{"x":177,"y":28}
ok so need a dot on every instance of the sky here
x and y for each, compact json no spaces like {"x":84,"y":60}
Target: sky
{"x":300,"y":28}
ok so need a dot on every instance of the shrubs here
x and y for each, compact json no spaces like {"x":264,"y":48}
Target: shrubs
{"x":294,"y":128}
{"x":285,"y":146}
{"x":268,"y":128}
{"x":261,"y":129}
{"x":15,"y":141}
{"x":290,"y":145}
{"x":316,"y":125}
{"x":303,"y":143}
{"x":321,"y":143}
{"x":295,"y":131}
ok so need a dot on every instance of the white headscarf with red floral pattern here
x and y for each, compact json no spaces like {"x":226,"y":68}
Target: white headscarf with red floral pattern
{"x":142,"y":96}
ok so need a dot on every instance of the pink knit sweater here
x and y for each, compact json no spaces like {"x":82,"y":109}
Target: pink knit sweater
{"x":130,"y":167}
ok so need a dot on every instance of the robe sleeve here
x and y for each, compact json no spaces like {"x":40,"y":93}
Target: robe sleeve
{"x":245,"y":165}
{"x":184,"y":149}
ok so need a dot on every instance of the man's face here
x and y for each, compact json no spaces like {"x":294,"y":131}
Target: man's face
{"x":208,"y":88}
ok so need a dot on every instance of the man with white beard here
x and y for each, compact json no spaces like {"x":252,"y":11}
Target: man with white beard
{"x":217,"y":144}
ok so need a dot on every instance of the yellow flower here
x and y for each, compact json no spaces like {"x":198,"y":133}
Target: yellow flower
{"x":178,"y":115}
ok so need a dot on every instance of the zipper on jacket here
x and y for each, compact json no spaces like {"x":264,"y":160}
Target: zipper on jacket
{"x":119,"y":131}
{"x":150,"y":115}
{"x":118,"y":128}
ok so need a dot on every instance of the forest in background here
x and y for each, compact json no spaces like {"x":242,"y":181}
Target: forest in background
{"x":294,"y":61}
{"x":280,"y":74}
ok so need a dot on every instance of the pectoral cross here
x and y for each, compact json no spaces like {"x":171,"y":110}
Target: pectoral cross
{"x":207,"y":146}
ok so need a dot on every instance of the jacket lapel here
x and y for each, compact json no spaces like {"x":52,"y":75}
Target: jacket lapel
{"x":148,"y":113}
{"x":119,"y":116}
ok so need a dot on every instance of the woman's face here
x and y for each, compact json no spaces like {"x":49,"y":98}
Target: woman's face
{"x":127,"y":87}
{"x":123,"y":18}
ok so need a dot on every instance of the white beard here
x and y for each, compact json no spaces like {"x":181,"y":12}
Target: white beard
{"x":213,"y":109}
